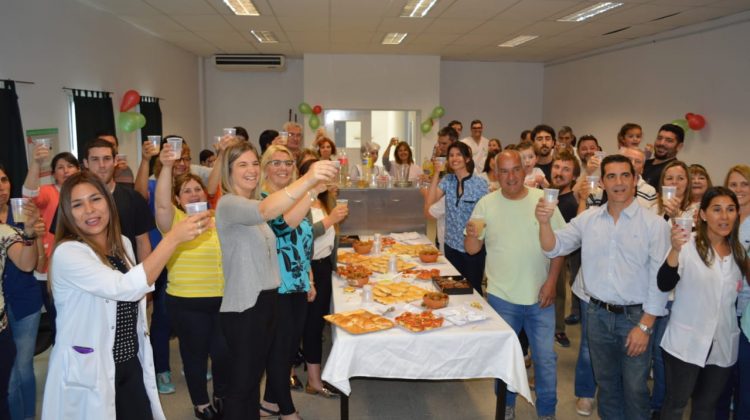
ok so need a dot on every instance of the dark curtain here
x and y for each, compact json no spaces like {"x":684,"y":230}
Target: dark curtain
{"x":12,"y":142}
{"x":94,"y":114}
{"x":152,"y":111}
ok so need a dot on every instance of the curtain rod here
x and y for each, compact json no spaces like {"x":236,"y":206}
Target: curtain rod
{"x":89,"y":90}
{"x":17,"y":81}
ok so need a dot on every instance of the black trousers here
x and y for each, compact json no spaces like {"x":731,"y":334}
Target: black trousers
{"x":470,"y":266}
{"x":312,"y":336}
{"x":248,"y":335}
{"x":7,"y":357}
{"x":131,"y":400}
{"x":686,"y":380}
{"x":292,"y":309}
{"x":196,"y":321}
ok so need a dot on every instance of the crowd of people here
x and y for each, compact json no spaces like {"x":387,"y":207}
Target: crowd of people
{"x":641,"y":238}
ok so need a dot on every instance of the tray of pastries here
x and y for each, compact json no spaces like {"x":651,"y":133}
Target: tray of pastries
{"x":388,"y":293}
{"x":453,"y":285}
{"x":419,"y":322}
{"x":422,"y":274}
{"x":359,"y":321}
{"x":410,"y":250}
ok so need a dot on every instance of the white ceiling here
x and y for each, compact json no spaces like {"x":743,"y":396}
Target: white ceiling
{"x":453,"y":29}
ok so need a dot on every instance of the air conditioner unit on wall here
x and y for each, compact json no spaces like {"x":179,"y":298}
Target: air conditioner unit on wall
{"x":250,"y":62}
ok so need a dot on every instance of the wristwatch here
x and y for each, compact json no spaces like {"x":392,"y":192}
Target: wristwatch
{"x":645,"y":328}
{"x":28,"y":240}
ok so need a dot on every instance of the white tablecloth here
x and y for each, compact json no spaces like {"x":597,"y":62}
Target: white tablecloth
{"x":485,"y":349}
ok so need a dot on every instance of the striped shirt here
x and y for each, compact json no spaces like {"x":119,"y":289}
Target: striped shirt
{"x":195,"y":268}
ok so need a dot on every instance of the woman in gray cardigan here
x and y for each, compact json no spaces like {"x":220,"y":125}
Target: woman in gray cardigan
{"x":251,"y":269}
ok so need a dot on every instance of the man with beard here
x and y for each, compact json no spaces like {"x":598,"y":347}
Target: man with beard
{"x":587,"y":147}
{"x":565,"y":170}
{"x":544,"y":144}
{"x":669,"y":142}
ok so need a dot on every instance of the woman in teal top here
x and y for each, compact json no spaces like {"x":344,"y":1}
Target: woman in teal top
{"x":294,"y":240}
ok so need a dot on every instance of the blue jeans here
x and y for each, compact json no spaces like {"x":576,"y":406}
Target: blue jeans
{"x":22,"y":386}
{"x":657,"y":360}
{"x":539,"y":324}
{"x":585,"y":384}
{"x":623,"y":391}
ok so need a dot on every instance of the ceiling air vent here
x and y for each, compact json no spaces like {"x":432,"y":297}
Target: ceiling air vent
{"x":616,"y":31}
{"x":664,"y":17}
{"x":250,"y":62}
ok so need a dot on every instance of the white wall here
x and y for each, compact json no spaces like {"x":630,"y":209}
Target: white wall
{"x":506,"y":97}
{"x":254,"y":100}
{"x":657,"y":82}
{"x":65,"y":43}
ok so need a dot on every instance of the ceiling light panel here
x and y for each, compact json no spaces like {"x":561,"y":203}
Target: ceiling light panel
{"x":242,"y":7}
{"x":417,"y":8}
{"x":265,"y":37}
{"x":522,"y":39}
{"x":590,"y":12}
{"x":393,"y":38}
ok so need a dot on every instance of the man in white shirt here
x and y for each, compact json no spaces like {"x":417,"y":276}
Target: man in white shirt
{"x":478,"y":144}
{"x":644,"y":193}
{"x":622,"y":248}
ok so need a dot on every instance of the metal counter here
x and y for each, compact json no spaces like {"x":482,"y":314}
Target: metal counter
{"x":379,"y":210}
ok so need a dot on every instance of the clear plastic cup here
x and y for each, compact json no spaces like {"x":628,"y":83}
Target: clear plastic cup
{"x":121,"y":157}
{"x":230,"y":132}
{"x":284,"y":137}
{"x":366,"y":293}
{"x":550,"y":194}
{"x":441,"y":160}
{"x":668,"y":192}
{"x":16,"y":207}
{"x":46,"y":142}
{"x":176,"y":144}
{"x":155,"y":141}
{"x":342,"y":202}
{"x":685,"y":223}
{"x":593,"y":181}
{"x":194,"y":208}
{"x":600,"y":154}
{"x":479,"y":223}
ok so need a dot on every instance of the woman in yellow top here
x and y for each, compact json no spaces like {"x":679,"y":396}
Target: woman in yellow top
{"x":195,"y":287}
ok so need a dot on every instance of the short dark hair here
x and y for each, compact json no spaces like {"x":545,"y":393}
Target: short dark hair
{"x":543,"y":127}
{"x":265,"y":139}
{"x":454,"y":122}
{"x":525,"y":133}
{"x":450,"y":132}
{"x":102,"y":133}
{"x":465,"y":151}
{"x":490,"y":156}
{"x":588,"y":137}
{"x":241,"y":132}
{"x":205,"y":154}
{"x":98,"y":142}
{"x":676,"y":129}
{"x":66,"y":156}
{"x":567,"y":129}
{"x":476,"y":122}
{"x":617,"y":159}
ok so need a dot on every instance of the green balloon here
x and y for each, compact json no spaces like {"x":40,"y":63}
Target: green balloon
{"x":438,"y":112}
{"x":128,"y":121}
{"x":681,"y":122}
{"x":305,"y":108}
{"x":314,"y":122}
{"x":140,"y":120}
{"x":426,"y":126}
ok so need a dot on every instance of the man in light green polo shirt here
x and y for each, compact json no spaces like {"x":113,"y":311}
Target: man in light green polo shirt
{"x":521,"y":281}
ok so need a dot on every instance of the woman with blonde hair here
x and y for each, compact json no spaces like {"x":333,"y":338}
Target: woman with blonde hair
{"x":676,"y":175}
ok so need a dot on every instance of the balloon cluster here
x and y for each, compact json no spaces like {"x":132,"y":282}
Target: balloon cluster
{"x":691,"y":122}
{"x":427,"y":124}
{"x":130,"y":121}
{"x":313,"y":112}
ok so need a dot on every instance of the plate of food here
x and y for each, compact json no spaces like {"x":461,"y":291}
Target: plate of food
{"x":388,"y":293}
{"x":421,"y":274}
{"x":346,"y":241}
{"x":453,"y":285}
{"x":359,"y":321}
{"x":419,"y":321}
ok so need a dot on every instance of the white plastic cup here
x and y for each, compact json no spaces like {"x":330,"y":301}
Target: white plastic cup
{"x":155,"y":141}
{"x":195,"y":208}
{"x":121,"y":157}
{"x":441,"y":160}
{"x":550,"y":194}
{"x":366,"y":293}
{"x":342,"y":202}
{"x":668,"y":192}
{"x":600,"y":154}
{"x":284,"y":135}
{"x":16,"y":206}
{"x":378,"y":244}
{"x":593,"y":181}
{"x":685,"y":223}
{"x":176,"y":144}
{"x":393,"y":264}
{"x":230,"y":132}
{"x":46,"y":142}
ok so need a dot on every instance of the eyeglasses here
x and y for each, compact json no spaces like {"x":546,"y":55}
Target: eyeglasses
{"x":278,"y":163}
{"x":185,"y":159}
{"x":295,"y":134}
{"x":476,"y":128}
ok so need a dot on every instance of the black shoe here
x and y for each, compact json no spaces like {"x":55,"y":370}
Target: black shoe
{"x":655,"y":415}
{"x":295,"y":383}
{"x":572,"y":319}
{"x":219,"y":405}
{"x":208,"y":413}
{"x":562,"y":339}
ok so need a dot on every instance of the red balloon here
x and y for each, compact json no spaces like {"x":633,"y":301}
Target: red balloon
{"x":689,"y":115}
{"x":317,"y":109}
{"x":696,"y":122}
{"x":129,"y":100}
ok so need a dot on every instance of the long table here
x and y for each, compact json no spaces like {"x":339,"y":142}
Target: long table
{"x":484,"y":349}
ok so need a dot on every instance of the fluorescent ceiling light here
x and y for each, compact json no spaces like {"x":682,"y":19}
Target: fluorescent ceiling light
{"x":590,"y":12}
{"x":417,"y":8}
{"x":242,"y":7}
{"x":394,"y":38}
{"x":265,"y":37}
{"x":518,"y":41}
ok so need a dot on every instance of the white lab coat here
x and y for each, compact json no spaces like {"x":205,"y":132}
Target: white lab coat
{"x":703,"y":316}
{"x":79,"y":385}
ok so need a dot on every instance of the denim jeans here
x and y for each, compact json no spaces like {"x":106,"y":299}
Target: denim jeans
{"x":585,"y":384}
{"x":622,"y":380}
{"x":657,"y":360}
{"x":22,"y":386}
{"x":539,"y":324}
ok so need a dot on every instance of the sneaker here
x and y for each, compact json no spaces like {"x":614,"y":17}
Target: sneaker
{"x":562,"y":339}
{"x":572,"y":319}
{"x":510,"y":413}
{"x":164,"y":383}
{"x":585,"y":406}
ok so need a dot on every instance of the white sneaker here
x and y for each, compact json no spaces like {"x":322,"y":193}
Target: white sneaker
{"x":585,"y":406}
{"x":510,"y":413}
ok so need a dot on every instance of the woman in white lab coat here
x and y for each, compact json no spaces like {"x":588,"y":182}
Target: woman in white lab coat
{"x":101,"y":366}
{"x":702,"y":337}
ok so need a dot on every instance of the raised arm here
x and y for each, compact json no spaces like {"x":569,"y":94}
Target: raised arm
{"x":141,"y":177}
{"x":41,"y":153}
{"x":280,"y":201}
{"x":435,"y":193}
{"x":163,"y":200}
